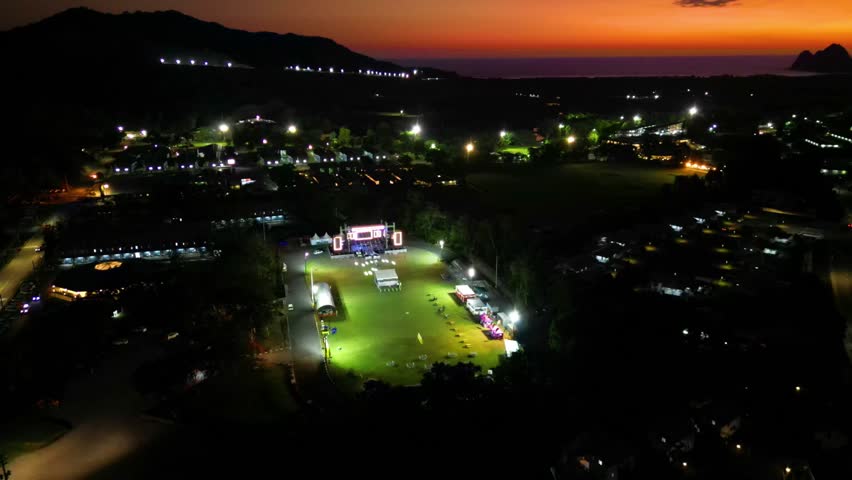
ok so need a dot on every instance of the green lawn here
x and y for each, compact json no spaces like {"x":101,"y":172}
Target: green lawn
{"x":516,"y":150}
{"x":375,"y":328}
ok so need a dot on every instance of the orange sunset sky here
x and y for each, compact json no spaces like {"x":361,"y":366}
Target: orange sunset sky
{"x":513,"y":28}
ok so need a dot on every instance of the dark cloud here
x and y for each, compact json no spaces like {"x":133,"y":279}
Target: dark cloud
{"x":705,"y":3}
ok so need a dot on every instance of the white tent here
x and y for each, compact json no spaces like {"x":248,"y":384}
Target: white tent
{"x":323,"y":300}
{"x":317,"y":240}
{"x":387,"y":278}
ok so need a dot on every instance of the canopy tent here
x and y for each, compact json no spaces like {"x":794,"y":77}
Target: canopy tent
{"x":317,"y":240}
{"x":386,"y":278}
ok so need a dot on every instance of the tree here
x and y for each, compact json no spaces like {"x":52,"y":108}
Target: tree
{"x":521,"y":279}
{"x":593,"y":137}
{"x":4,"y":472}
{"x":344,"y":137}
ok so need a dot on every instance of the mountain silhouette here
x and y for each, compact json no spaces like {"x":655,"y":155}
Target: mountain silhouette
{"x":82,"y":37}
{"x":834,"y":59}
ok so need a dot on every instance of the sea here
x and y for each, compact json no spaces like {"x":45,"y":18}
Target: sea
{"x":702,"y":66}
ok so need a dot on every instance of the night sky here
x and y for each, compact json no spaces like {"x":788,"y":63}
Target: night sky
{"x":513,"y":28}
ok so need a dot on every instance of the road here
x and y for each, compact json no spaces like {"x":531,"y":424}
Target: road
{"x":13,"y":274}
{"x":104,"y":410}
{"x":313,"y":382}
{"x":841,"y":281}
{"x":840,"y":249}
{"x":21,"y":265}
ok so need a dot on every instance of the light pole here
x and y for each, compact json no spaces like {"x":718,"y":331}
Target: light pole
{"x":468,"y":149}
{"x":514,"y":318}
{"x":471,"y":273}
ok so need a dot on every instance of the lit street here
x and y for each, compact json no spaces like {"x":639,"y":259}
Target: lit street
{"x":21,"y":265}
{"x":313,"y":383}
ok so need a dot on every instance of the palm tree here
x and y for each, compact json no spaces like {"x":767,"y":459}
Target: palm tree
{"x":5,"y":474}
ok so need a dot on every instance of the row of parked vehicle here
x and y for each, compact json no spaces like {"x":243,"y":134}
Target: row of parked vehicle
{"x":20,"y":304}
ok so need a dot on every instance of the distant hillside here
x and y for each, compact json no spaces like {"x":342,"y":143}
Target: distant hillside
{"x":84,"y":37}
{"x":834,"y":59}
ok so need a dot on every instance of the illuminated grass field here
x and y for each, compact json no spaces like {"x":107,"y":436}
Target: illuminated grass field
{"x":375,"y":328}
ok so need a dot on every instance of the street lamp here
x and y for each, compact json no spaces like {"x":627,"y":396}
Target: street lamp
{"x":637,"y":118}
{"x":571,"y":139}
{"x":415,"y":130}
{"x":502,"y":133}
{"x":471,"y":273}
{"x":223,"y":128}
{"x":441,"y":244}
{"x":514,"y":317}
{"x":693,"y":110}
{"x":291,"y":129}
